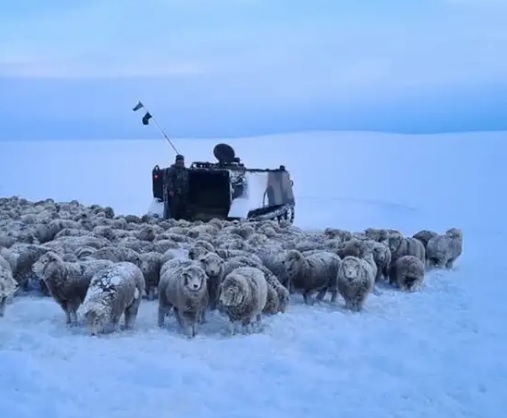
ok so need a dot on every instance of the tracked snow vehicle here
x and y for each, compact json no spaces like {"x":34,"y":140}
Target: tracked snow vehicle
{"x":229,"y":190}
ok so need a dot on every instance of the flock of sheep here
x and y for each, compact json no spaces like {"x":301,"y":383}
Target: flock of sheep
{"x":103,"y":266}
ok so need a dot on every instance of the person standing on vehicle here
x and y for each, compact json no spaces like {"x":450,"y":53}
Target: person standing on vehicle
{"x":177,"y":187}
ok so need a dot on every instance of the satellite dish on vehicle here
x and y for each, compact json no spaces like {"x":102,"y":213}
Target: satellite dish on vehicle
{"x":224,"y":153}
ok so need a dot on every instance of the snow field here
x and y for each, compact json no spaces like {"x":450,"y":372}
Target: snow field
{"x":434,"y":353}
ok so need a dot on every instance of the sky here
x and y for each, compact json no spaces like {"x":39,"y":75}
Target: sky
{"x":223,"y":68}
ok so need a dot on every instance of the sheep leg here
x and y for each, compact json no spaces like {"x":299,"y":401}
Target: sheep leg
{"x":307,"y":296}
{"x":385,"y":272}
{"x":449,"y":264}
{"x":3,"y":303}
{"x":150,"y":293}
{"x":334,"y":295}
{"x":202,"y":316}
{"x":321,"y":293}
{"x":73,"y":317}
{"x":131,"y":314}
{"x":180,"y":320}
{"x":213,"y":294}
{"x":68,"y":319}
{"x":161,"y":316}
{"x":115,"y":322}
{"x":232,"y":327}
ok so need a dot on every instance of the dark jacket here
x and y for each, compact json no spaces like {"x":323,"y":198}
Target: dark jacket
{"x":177,"y":179}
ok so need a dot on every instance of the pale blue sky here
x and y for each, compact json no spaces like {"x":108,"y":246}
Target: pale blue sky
{"x":238,"y":67}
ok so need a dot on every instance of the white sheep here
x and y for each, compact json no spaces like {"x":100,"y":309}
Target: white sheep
{"x":278,"y":295}
{"x":355,"y":280}
{"x":243,"y":295}
{"x":314,"y":273}
{"x":150,"y":264}
{"x":113,"y":292}
{"x":184,"y":290}
{"x":407,"y":273}
{"x":8,"y":285}
{"x":443,"y":250}
{"x":67,"y":282}
{"x":213,"y":266}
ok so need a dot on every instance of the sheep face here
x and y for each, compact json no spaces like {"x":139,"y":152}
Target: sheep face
{"x":394,"y":242}
{"x":197,"y":252}
{"x":350,"y":268}
{"x":379,"y":254}
{"x":454,"y":233}
{"x":96,"y":320}
{"x":212,"y":264}
{"x":232,"y":294}
{"x":193,"y":278}
{"x":292,"y":261}
{"x":46,"y":260}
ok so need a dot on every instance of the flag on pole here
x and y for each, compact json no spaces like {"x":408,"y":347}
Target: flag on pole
{"x":146,"y":118}
{"x":138,"y":106}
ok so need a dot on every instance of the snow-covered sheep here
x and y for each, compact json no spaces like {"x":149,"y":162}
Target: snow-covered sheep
{"x":8,"y":286}
{"x":243,"y":296}
{"x":67,"y":282}
{"x":382,"y":258}
{"x":378,"y":235}
{"x":116,"y":254}
{"x":146,"y":233}
{"x":213,"y":266}
{"x":407,"y":273}
{"x":184,"y":290}
{"x":443,"y":250}
{"x":355,"y":282}
{"x":335,"y":233}
{"x":400,"y":246}
{"x":161,"y":246}
{"x":315,"y":273}
{"x":113,"y":292}
{"x":174,"y":262}
{"x":199,"y":230}
{"x":22,"y":257}
{"x":278,"y":297}
{"x":424,"y":236}
{"x":228,"y":253}
{"x":150,"y":264}
{"x":200,"y":249}
{"x":274,"y":261}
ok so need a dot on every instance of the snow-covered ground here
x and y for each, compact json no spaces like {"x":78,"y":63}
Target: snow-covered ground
{"x":436,"y":353}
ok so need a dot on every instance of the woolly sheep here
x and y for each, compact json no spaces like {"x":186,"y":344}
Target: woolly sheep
{"x":174,"y":263}
{"x":23,"y":256}
{"x":315,"y":273}
{"x":213,"y":266}
{"x":443,"y":250}
{"x":67,"y":282}
{"x":274,"y":261}
{"x":174,"y":253}
{"x":8,"y":286}
{"x":407,"y":273}
{"x":278,"y":297}
{"x":184,"y":290}
{"x":400,"y":246}
{"x":424,"y":236}
{"x":113,"y":292}
{"x":340,"y":234}
{"x":243,"y":296}
{"x":150,"y":264}
{"x":116,"y":254}
{"x":355,"y":280}
{"x":382,"y":258}
{"x":200,"y":249}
